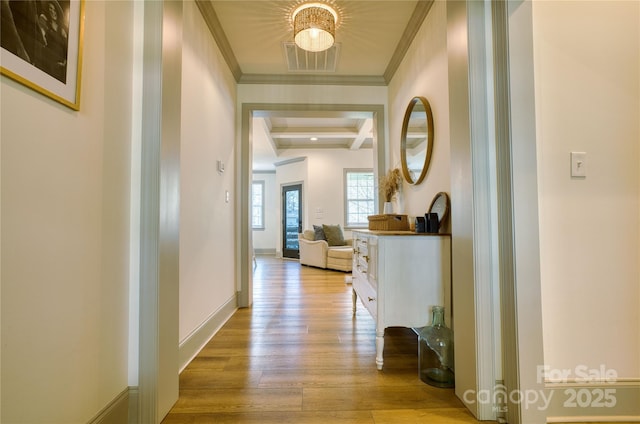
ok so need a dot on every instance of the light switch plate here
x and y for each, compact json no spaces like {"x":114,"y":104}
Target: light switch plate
{"x":578,"y":164}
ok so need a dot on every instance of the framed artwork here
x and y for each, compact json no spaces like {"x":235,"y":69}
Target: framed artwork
{"x":41,"y":46}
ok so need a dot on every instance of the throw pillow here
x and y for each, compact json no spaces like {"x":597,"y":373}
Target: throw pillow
{"x":309,"y":235}
{"x":334,"y":235}
{"x":319,"y":233}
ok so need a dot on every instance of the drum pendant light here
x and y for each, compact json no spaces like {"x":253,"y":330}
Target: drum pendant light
{"x":314,"y":26}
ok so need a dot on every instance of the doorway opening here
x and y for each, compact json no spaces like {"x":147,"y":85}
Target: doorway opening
{"x":375,"y":112}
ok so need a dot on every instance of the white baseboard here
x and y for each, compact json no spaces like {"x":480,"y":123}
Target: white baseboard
{"x":195,"y":341}
{"x":601,"y":402}
{"x":124,"y":407}
{"x":116,"y":412}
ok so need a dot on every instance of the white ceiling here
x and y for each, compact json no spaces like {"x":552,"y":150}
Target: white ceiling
{"x":371,"y":39}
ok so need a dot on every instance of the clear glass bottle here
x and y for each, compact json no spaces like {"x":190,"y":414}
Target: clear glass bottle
{"x":435,"y":351}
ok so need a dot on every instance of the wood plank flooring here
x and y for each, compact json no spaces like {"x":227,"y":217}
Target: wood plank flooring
{"x":300,"y":356}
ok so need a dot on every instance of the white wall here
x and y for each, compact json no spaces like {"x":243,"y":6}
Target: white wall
{"x":65,"y":245}
{"x":424,"y":72}
{"x":587,"y":76}
{"x":325,"y":188}
{"x":267,"y":239}
{"x":207,"y":245}
{"x":322,"y":177}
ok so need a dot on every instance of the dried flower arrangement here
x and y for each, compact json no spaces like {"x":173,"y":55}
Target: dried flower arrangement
{"x":390,"y":184}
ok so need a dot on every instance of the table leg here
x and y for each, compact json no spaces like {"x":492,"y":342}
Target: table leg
{"x":354,"y":298}
{"x":379,"y":348}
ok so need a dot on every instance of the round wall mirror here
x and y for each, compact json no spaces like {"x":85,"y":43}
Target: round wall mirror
{"x":440,"y":205}
{"x":416,"y":140}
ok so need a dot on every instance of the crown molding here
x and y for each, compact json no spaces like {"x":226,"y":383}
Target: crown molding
{"x":211,"y":19}
{"x":415,"y":22}
{"x":366,"y":80}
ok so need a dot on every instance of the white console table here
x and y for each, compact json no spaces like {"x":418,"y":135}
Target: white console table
{"x":398,"y":276}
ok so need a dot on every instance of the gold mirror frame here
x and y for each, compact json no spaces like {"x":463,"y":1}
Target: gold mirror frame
{"x":404,"y":144}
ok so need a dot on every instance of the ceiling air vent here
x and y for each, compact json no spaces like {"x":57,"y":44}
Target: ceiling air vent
{"x":299,"y":60}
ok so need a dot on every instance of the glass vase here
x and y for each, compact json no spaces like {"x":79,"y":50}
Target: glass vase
{"x":435,"y":351}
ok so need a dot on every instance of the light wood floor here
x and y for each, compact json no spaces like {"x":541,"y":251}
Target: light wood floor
{"x":299,"y":356}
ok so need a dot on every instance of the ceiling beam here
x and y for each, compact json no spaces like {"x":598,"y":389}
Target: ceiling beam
{"x":366,"y":131}
{"x":307,"y":146}
{"x":305,"y":132}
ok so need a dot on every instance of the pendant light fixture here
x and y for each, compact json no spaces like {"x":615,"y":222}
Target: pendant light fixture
{"x":314,"y":26}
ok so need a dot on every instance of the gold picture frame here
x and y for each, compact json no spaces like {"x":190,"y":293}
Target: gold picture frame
{"x":41,"y":46}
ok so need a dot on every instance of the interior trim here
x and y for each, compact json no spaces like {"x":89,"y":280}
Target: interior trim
{"x":415,"y":22}
{"x":484,"y":209}
{"x":211,"y":19}
{"x":289,"y":161}
{"x":116,"y":411}
{"x":297,"y":79}
{"x":194,"y":342}
{"x":464,"y":306}
{"x":149,"y":213}
{"x":508,"y":313}
{"x":134,"y":404}
{"x":159,"y":222}
{"x":522,"y":291}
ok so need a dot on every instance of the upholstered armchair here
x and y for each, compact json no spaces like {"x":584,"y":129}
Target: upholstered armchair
{"x":320,"y":254}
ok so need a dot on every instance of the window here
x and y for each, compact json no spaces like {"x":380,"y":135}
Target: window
{"x":360,"y":197}
{"x":257,"y":205}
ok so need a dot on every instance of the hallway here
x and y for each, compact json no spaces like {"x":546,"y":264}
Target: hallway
{"x":299,"y":356}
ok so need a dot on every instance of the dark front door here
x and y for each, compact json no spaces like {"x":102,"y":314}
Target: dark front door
{"x":291,"y":220}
